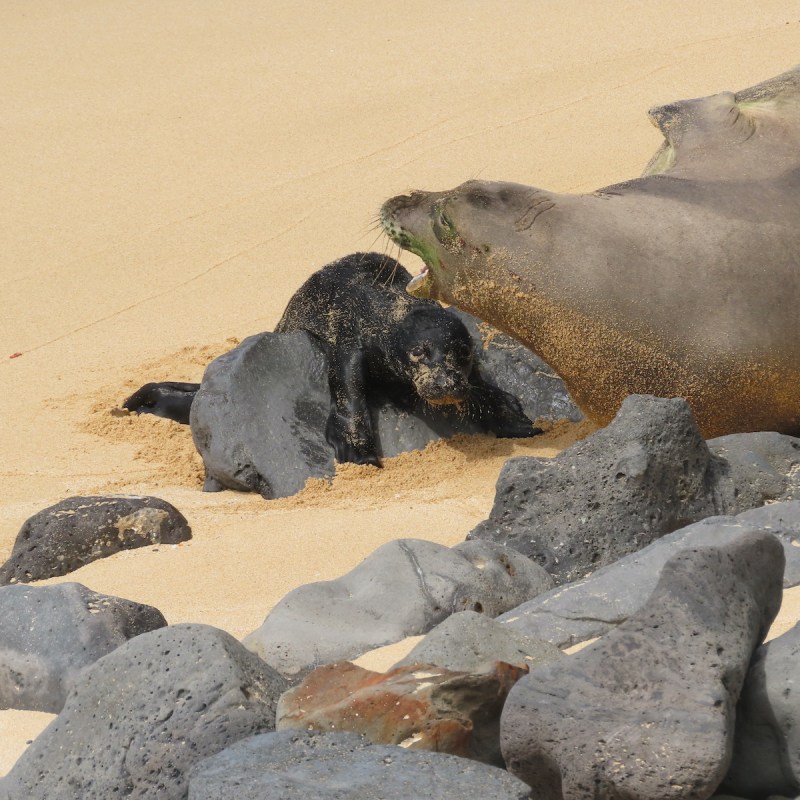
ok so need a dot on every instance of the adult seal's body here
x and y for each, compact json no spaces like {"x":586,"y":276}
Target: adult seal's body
{"x":685,"y":281}
{"x":384,"y":344}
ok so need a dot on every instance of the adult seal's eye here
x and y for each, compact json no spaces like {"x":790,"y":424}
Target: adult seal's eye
{"x":443,"y":228}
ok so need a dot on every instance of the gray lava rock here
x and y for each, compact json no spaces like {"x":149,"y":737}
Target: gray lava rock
{"x":140,"y":717}
{"x":648,"y":711}
{"x":471,"y":642}
{"x":48,"y":634}
{"x":79,"y":530}
{"x":766,"y":752}
{"x":342,"y":766}
{"x":258,"y":419}
{"x":648,"y":473}
{"x":520,"y":372}
{"x":590,"y":607}
{"x":402,"y":589}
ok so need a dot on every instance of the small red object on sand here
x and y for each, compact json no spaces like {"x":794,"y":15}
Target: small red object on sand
{"x":15,"y":355}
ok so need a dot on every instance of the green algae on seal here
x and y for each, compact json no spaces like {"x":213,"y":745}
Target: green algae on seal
{"x":683,"y":282}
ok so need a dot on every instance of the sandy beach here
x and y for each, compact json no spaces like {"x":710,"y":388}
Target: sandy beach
{"x":174,"y":171}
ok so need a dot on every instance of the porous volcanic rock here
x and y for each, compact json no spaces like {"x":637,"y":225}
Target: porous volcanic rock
{"x":137,"y":719}
{"x":258,"y":419}
{"x":48,"y":634}
{"x":587,"y":608}
{"x":766,"y":752}
{"x":79,"y":530}
{"x":422,"y":707}
{"x":342,"y":766}
{"x":648,"y":710}
{"x":648,"y":473}
{"x":471,"y":642}
{"x":404,"y":588}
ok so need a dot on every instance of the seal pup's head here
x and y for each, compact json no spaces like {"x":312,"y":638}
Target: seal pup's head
{"x":434,"y":351}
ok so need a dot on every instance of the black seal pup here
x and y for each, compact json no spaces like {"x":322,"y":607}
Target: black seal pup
{"x":170,"y":399}
{"x":384,"y":344}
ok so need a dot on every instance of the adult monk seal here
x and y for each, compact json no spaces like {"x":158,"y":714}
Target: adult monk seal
{"x":685,"y":281}
{"x":382,"y":343}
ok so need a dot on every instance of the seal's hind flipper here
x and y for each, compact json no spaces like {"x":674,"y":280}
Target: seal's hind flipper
{"x":752,"y":134}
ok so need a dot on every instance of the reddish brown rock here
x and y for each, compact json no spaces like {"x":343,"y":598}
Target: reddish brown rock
{"x":421,"y":707}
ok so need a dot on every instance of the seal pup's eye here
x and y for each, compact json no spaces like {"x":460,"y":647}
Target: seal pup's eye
{"x":417,"y":353}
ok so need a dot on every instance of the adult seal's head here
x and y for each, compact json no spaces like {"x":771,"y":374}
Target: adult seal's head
{"x":681,"y":282}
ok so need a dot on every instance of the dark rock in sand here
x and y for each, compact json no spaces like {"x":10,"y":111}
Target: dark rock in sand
{"x":648,"y":473}
{"x":587,"y":608}
{"x":258,"y":419}
{"x":79,"y":530}
{"x":342,"y":766}
{"x":48,"y":634}
{"x":766,"y":752}
{"x":424,"y":707}
{"x":404,"y":588}
{"x":471,"y":642}
{"x":648,"y":711}
{"x":140,"y":717}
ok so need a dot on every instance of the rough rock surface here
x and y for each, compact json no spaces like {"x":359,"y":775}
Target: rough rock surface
{"x":404,"y":588}
{"x":137,"y":719}
{"x":648,"y":710}
{"x":342,"y":766}
{"x":584,"y":609}
{"x":766,"y":752}
{"x":471,"y":642}
{"x":48,"y":634}
{"x":419,"y":707}
{"x":648,"y":473}
{"x":78,"y":530}
{"x":258,"y":419}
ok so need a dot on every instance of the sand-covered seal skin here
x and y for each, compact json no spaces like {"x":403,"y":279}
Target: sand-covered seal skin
{"x":685,"y":281}
{"x":383,"y":344}
{"x":170,"y":399}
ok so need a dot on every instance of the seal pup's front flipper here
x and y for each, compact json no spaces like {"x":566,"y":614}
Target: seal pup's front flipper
{"x":349,"y":427}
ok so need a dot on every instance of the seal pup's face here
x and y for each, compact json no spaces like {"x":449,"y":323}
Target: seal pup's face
{"x":470,"y":226}
{"x":434,"y":351}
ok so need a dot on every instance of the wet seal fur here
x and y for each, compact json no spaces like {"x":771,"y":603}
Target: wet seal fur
{"x":684,"y":282}
{"x":383,"y":344}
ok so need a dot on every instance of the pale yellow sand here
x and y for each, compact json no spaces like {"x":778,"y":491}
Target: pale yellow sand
{"x":171,"y":174}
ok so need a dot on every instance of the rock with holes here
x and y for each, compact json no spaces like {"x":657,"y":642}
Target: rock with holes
{"x":342,"y":766}
{"x":470,"y":642}
{"x":648,"y":473}
{"x":423,"y":707}
{"x":140,"y":717}
{"x":766,"y":752}
{"x":404,"y":588}
{"x":648,"y":710}
{"x":78,"y":530}
{"x":590,"y":607}
{"x":49,"y":634}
